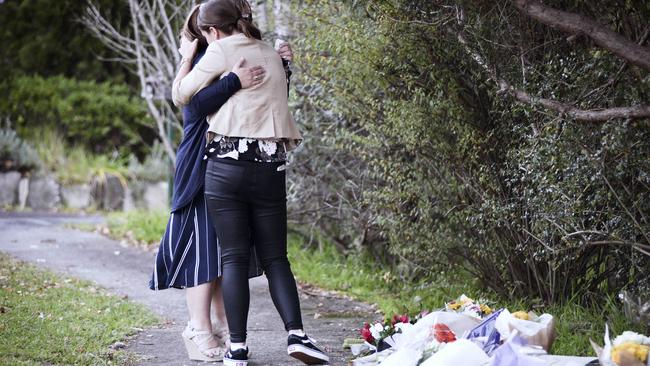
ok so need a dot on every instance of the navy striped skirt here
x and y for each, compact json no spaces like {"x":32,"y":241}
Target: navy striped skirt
{"x":189,"y":253}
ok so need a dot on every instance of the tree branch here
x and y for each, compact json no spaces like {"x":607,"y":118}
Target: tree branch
{"x":585,"y":115}
{"x":577,"y":23}
{"x":149,"y":49}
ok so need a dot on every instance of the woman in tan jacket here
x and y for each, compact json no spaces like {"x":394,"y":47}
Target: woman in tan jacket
{"x":245,"y":188}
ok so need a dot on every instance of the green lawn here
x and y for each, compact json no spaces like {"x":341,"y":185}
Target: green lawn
{"x":364,"y":280}
{"x":143,"y":226}
{"x":50,"y":319}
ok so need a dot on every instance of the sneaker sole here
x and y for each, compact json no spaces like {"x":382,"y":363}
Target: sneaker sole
{"x":227,"y":362}
{"x":307,"y":355}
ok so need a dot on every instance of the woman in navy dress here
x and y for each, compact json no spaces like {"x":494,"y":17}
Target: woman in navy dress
{"x":189,"y":253}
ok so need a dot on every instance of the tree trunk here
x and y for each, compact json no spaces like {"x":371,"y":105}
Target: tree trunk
{"x":150,"y":50}
{"x":282,"y":19}
{"x":261,"y":16}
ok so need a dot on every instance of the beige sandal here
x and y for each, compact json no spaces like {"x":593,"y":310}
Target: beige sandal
{"x":221,"y":333}
{"x":197,"y":345}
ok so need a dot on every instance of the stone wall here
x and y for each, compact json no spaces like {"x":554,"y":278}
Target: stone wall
{"x":9,"y":188}
{"x":44,"y":193}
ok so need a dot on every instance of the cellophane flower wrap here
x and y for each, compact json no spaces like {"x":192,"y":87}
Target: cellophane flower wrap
{"x":535,"y":330}
{"x":629,"y":348}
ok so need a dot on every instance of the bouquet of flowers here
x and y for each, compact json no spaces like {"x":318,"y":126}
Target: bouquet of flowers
{"x":439,"y":336}
{"x":536,"y":330}
{"x":635,"y":344}
{"x":376,"y":334}
{"x":628,"y":349}
{"x":468,"y":306}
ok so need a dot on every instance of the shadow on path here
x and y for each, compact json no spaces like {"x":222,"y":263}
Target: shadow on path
{"x":125,"y":271}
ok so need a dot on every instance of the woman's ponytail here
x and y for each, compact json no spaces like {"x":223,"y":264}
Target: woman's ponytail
{"x":247,"y":27}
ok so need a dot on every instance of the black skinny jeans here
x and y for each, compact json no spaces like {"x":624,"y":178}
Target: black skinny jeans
{"x":245,"y":199}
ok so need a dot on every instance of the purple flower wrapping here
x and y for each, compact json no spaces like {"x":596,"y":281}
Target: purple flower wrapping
{"x":485,"y":333}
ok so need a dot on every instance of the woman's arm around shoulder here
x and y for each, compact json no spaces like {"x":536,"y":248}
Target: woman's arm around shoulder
{"x":187,"y":83}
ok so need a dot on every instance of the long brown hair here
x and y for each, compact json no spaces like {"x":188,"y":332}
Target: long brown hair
{"x":228,"y":16}
{"x":191,"y":28}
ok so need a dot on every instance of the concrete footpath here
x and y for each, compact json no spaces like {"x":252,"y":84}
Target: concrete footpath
{"x":125,"y":271}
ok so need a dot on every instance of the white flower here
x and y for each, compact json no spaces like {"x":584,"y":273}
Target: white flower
{"x":631,"y":337}
{"x":463,"y":299}
{"x":473,"y":310}
{"x":375,"y":330}
{"x":402,"y":326}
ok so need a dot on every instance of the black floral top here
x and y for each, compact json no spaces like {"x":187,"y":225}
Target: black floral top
{"x":249,"y":149}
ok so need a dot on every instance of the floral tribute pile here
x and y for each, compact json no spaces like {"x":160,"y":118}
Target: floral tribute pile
{"x":470,"y":332}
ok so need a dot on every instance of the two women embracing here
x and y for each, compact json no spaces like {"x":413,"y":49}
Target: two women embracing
{"x":229,"y":213}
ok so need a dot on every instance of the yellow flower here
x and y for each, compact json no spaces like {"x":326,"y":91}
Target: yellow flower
{"x":454,"y":306}
{"x":486,"y":309}
{"x":639,"y":351}
{"x":521,"y":315}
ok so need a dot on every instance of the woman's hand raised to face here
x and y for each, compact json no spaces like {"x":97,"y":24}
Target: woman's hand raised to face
{"x":248,"y":76}
{"x":188,"y":48}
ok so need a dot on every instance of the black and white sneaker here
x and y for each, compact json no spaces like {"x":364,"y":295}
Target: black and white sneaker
{"x":303,"y":348}
{"x":238,"y":357}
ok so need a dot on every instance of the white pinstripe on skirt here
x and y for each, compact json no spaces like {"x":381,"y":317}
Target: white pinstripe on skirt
{"x":189,"y":253}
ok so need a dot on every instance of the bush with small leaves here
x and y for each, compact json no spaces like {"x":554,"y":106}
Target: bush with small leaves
{"x":420,"y":158}
{"x":16,"y":154}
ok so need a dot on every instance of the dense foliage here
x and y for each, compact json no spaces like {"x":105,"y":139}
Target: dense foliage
{"x":46,"y":38}
{"x":414,"y":154}
{"x":103,"y":117}
{"x":46,"y":57}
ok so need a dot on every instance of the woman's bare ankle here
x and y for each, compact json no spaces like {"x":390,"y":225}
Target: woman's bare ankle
{"x":201,"y":324}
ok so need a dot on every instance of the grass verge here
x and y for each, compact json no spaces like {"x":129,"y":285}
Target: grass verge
{"x":50,"y":319}
{"x":364,"y":280}
{"x":141,"y":226}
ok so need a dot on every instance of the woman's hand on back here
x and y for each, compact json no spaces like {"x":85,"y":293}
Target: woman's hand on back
{"x":248,"y":76}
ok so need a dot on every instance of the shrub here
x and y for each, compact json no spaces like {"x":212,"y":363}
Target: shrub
{"x":530,"y":202}
{"x":75,"y":164}
{"x":155,"y":168}
{"x":16,"y":154}
{"x":102,"y":117}
{"x":9,"y":144}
